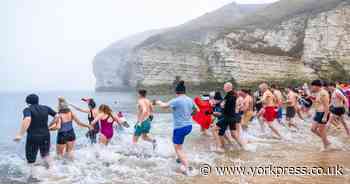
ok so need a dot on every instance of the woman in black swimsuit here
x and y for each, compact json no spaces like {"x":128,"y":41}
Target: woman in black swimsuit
{"x":92,"y":113}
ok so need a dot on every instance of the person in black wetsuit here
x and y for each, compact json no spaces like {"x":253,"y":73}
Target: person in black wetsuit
{"x":231,"y":117}
{"x":92,"y":112}
{"x":35,"y":124}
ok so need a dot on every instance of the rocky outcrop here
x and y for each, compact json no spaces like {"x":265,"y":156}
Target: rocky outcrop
{"x":301,"y":46}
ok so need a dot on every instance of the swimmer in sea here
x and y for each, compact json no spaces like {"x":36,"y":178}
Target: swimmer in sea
{"x":321,"y":105}
{"x":106,"y":119}
{"x":66,"y":135}
{"x":291,"y":103}
{"x":268,"y":112}
{"x":35,"y":124}
{"x":279,"y":98}
{"x":92,"y":112}
{"x":339,"y":104}
{"x":144,"y":119}
{"x":183,"y":108}
{"x":248,"y":108}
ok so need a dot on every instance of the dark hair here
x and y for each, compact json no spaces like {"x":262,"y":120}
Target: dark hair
{"x":218,"y":96}
{"x":32,"y":99}
{"x":316,"y":83}
{"x":332,"y":84}
{"x":180,"y":87}
{"x":92,"y":104}
{"x":273,"y":86}
{"x":142,"y":92}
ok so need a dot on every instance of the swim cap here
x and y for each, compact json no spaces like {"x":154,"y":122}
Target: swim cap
{"x":180,"y":88}
{"x":32,"y":99}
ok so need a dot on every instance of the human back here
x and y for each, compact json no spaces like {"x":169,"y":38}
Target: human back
{"x":182,"y":107}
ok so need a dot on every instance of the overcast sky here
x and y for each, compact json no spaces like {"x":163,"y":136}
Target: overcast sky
{"x":50,"y":44}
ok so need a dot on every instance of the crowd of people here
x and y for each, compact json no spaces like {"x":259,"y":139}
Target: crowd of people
{"x":224,"y":117}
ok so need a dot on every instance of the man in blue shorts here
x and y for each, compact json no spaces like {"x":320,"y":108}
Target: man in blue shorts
{"x":183,"y":107}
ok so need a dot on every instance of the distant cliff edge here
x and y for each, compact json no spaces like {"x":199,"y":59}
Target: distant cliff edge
{"x":289,"y":39}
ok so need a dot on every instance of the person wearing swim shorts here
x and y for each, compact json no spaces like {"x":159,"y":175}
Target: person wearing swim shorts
{"x":217,"y":130}
{"x":269,"y":108}
{"x":106,"y":119}
{"x":231,"y":117}
{"x":279,"y":102}
{"x":66,"y":135}
{"x":182,"y":109}
{"x":321,"y":105}
{"x":291,"y":103}
{"x":144,"y":119}
{"x":248,"y":108}
{"x":339,"y":104}
{"x":92,"y":112}
{"x":35,"y":124}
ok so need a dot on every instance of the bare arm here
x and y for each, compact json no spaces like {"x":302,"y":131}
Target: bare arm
{"x":24,"y":127}
{"x":98,"y":118}
{"x":325,"y":103}
{"x":79,"y":109}
{"x":76,"y":119}
{"x":163,"y":104}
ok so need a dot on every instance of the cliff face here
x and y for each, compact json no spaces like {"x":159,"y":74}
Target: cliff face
{"x":300,"y":46}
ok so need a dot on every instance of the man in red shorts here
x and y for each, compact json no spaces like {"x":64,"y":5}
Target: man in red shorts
{"x":269,"y":111}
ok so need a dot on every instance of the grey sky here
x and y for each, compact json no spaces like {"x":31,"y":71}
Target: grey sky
{"x":50,"y":44}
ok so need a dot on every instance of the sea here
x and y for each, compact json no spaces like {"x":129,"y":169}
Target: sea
{"x":125,"y":163}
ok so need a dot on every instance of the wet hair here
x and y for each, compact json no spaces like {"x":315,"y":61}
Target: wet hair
{"x":180,"y":88}
{"x":106,"y":110}
{"x":92,"y":104}
{"x":317,"y":83}
{"x":32,"y":99}
{"x":142,"y":92}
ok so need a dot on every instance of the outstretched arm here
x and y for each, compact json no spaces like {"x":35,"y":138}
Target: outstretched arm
{"x":76,"y":119}
{"x":98,"y":118}
{"x":163,"y":104}
{"x":79,"y":109}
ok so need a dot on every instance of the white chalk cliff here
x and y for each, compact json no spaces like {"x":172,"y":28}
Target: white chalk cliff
{"x":284,"y":40}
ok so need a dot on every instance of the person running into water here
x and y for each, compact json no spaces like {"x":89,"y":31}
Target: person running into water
{"x":248,"y":108}
{"x":92,"y":113}
{"x":292,"y":101}
{"x":183,"y":108}
{"x":35,"y":124}
{"x":106,"y":119}
{"x":144,"y":119}
{"x":218,"y":131}
{"x":231,"y":117}
{"x":269,"y":108}
{"x":321,"y":104}
{"x":66,"y":135}
{"x":279,"y":102}
{"x":339,"y":103}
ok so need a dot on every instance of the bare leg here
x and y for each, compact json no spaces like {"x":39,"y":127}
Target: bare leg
{"x":323,"y":133}
{"x":342,"y":120}
{"x":314,"y":129}
{"x":60,"y":149}
{"x":181,"y":155}
{"x":103,"y":140}
{"x":235,"y":135}
{"x":274,"y":130}
{"x":135,"y":139}
{"x":146,"y":137}
{"x":70,"y":149}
